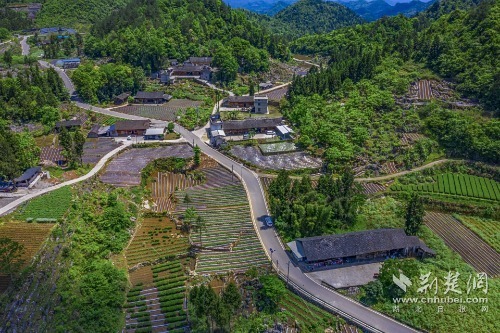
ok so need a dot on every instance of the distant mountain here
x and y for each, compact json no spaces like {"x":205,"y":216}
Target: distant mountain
{"x":368,"y":9}
{"x":372,"y":10}
{"x":268,"y":7}
{"x":442,"y":7}
{"x":317,"y":16}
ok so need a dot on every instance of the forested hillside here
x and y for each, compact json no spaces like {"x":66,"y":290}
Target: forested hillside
{"x":146,"y":33}
{"x":75,"y":13}
{"x":316,"y":16}
{"x":371,"y":64}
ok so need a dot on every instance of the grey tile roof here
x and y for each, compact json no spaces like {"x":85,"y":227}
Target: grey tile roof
{"x":356,"y":243}
{"x":251,"y":123}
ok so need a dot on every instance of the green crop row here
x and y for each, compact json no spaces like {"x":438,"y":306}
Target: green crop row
{"x":457,"y":184}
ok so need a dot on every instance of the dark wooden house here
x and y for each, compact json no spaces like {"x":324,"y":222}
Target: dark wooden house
{"x":130,"y":127}
{"x":259,"y":125}
{"x":358,"y":247}
{"x":143,"y":97}
{"x":69,"y":124}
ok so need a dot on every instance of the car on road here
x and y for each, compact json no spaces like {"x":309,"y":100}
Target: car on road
{"x":268,"y":221}
{"x":129,"y":137}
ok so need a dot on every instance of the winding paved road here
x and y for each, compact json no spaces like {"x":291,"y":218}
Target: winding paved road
{"x":7,"y":208}
{"x":354,"y":311}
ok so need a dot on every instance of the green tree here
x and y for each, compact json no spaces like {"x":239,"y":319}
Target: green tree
{"x":251,"y":88}
{"x":78,"y":143}
{"x":28,"y":153}
{"x":414,"y":216}
{"x":170,"y":127}
{"x":197,"y":155}
{"x":273,"y":290}
{"x":8,"y":57}
{"x":226,"y":63}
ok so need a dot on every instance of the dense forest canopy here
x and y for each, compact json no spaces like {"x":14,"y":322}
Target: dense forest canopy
{"x":147,"y":33}
{"x":75,"y":13}
{"x":316,"y":16}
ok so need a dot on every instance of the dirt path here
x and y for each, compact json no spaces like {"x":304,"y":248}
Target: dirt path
{"x":402,"y":173}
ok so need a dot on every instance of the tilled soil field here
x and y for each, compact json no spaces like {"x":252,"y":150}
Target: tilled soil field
{"x":471,"y":248}
{"x":289,"y":161}
{"x":125,"y":170}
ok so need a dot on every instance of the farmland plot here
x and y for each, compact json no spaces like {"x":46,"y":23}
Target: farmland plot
{"x":125,"y":170}
{"x":156,"y":238}
{"x":95,"y":149}
{"x":229,"y":233}
{"x":288,"y":161}
{"x":158,"y":306}
{"x":52,"y":205}
{"x":488,"y":230}
{"x":52,"y":154}
{"x":30,"y":236}
{"x":163,"y":187}
{"x":371,"y":188}
{"x":471,"y":248}
{"x":457,"y":184}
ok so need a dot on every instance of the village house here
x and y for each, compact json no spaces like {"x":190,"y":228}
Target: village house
{"x":186,"y":71}
{"x":200,"y":61}
{"x":265,"y":85}
{"x":155,"y":133}
{"x":259,"y":125}
{"x":97,"y":131}
{"x":129,"y":127}
{"x":358,"y":247}
{"x":157,"y":97}
{"x":28,"y":177}
{"x":68,"y":63}
{"x":238,"y":102}
{"x":261,"y":104}
{"x":284,"y":132}
{"x":122,"y":98}
{"x":69,"y":124}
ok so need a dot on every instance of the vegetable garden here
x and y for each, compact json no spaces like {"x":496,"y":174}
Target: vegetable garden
{"x":156,"y":238}
{"x":457,"y":184}
{"x":166,"y":112}
{"x":46,"y":208}
{"x":158,"y":307}
{"x":222,"y":203}
{"x":277,"y":148}
{"x":471,"y":248}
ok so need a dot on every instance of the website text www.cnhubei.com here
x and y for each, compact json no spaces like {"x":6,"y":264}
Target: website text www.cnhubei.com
{"x":440,"y":300}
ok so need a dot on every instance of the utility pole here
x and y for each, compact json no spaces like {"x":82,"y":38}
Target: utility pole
{"x":232,"y":172}
{"x":272,"y":251}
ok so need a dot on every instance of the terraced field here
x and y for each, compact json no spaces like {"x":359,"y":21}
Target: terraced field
{"x":155,"y":239}
{"x":29,"y":235}
{"x":471,"y":248}
{"x":163,"y":187}
{"x":310,"y":318}
{"x":160,"y":306}
{"x":228,"y":231}
{"x":457,"y":185}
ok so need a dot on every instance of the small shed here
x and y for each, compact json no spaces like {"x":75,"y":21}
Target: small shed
{"x":98,"y":131}
{"x":122,"y":98}
{"x":155,"y":133}
{"x":28,"y":177}
{"x":69,"y":124}
{"x":284,"y":132}
{"x":265,"y":85}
